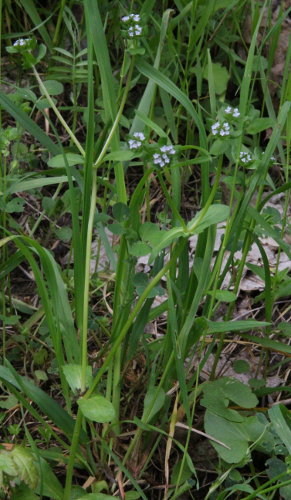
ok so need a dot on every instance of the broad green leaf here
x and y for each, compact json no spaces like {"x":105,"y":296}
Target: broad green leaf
{"x":59,"y":161}
{"x":219,"y":147}
{"x":44,"y":103}
{"x":139,"y":249}
{"x":73,"y":374}
{"x":259,"y":124}
{"x":26,"y":94}
{"x":53,"y":87}
{"x":64,"y":233}
{"x":223,"y":295}
{"x":15,"y":205}
{"x":235,"y":435}
{"x":97,"y":409}
{"x":120,"y":212}
{"x":220,"y":77}
{"x":6,"y":464}
{"x":25,"y":465}
{"x":49,"y":485}
{"x":122,"y":155}
{"x":239,"y":393}
{"x":150,"y":233}
{"x":166,"y":238}
{"x":153,"y":402}
{"x":214,"y":215}
{"x":241,"y":366}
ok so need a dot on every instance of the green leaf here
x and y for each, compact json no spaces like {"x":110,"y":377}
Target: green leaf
{"x":59,"y":161}
{"x":234,"y":326}
{"x":6,"y":464}
{"x":120,"y":212}
{"x":73,"y":374}
{"x":121,"y":155}
{"x":214,"y":215}
{"x":26,"y":94}
{"x":53,"y":87}
{"x":235,"y":435}
{"x":259,"y":124}
{"x":49,"y":485}
{"x":223,"y":295}
{"x":97,"y":496}
{"x":219,"y":147}
{"x":166,"y":238}
{"x":150,"y":233}
{"x":64,"y":233}
{"x":220,"y":77}
{"x":153,"y":402}
{"x":15,"y":206}
{"x":241,"y":366}
{"x":139,"y":249}
{"x":97,"y":409}
{"x":44,"y":103}
{"x":280,"y":424}
{"x":24,"y":464}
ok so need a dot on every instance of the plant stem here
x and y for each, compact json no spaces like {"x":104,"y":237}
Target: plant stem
{"x":58,"y":114}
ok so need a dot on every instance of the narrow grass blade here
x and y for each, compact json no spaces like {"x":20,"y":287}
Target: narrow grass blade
{"x":149,"y":93}
{"x":29,"y":7}
{"x":282,"y":428}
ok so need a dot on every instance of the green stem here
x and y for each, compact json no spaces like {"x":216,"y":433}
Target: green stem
{"x":264,"y":489}
{"x":116,"y":122}
{"x":84,"y":337}
{"x":210,"y":198}
{"x":73,"y":451}
{"x":58,"y":114}
{"x":59,"y":21}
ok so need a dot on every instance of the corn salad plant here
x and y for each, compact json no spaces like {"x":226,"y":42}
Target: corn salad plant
{"x":131,"y":133}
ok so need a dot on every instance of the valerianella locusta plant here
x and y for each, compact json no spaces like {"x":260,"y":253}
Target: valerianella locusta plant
{"x":137,"y":141}
{"x":164,"y":156}
{"x":221,"y":129}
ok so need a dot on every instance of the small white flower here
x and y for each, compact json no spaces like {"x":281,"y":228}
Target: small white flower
{"x":245,"y":157}
{"x":125,"y":19}
{"x":136,"y":18}
{"x":139,"y":135}
{"x":21,"y":42}
{"x":228,"y":110}
{"x":236,"y":113}
{"x":168,"y":149}
{"x":220,"y":128}
{"x":134,"y":144}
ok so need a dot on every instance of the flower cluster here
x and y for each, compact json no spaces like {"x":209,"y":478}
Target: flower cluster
{"x":133,"y":28}
{"x":21,"y":42}
{"x":137,"y":141}
{"x":245,"y":157}
{"x":163,"y":158}
{"x":220,"y":128}
{"x":232,"y":111}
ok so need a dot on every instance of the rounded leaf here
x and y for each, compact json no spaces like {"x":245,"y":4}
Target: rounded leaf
{"x":98,"y":409}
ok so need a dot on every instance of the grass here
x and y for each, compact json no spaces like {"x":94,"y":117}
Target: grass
{"x":141,"y":147}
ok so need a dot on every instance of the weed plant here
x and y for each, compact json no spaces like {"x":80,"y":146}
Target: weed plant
{"x":136,"y":130}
